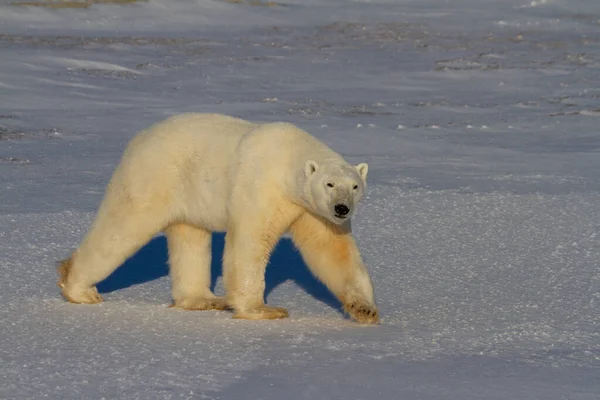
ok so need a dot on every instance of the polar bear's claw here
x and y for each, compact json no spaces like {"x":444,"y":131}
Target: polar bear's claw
{"x":362,"y":313}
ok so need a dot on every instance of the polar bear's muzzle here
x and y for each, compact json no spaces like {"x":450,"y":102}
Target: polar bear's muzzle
{"x":341,"y":211}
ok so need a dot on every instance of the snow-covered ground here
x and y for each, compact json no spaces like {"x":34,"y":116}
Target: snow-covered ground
{"x":479,"y":120}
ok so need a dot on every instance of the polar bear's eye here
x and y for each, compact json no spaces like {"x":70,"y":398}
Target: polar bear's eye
{"x":330,"y":184}
{"x":355,"y":187}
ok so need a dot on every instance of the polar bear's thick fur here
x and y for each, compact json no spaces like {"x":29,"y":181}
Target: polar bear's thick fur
{"x":194,"y":174}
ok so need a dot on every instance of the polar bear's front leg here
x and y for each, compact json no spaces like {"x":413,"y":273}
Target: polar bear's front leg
{"x":331,"y":254}
{"x":189,"y":262}
{"x":248,"y":246}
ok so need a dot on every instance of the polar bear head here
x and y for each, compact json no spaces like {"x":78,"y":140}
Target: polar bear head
{"x":334,"y":189}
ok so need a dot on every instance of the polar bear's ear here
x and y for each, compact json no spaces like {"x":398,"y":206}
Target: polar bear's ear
{"x":363,"y":169}
{"x":310,"y":168}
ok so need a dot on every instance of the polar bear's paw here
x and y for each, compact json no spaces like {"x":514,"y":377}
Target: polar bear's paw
{"x":73,"y":293}
{"x":362,"y":313}
{"x":81,"y":295}
{"x":201,"y":304}
{"x":262,"y":312}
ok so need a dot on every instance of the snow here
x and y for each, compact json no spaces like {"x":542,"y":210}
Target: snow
{"x":481,"y":227}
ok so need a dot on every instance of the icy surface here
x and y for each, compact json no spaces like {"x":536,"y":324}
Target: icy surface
{"x":479,"y":120}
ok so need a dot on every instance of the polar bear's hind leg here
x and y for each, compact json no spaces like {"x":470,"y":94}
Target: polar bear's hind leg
{"x":117,"y":233}
{"x":190,"y":262}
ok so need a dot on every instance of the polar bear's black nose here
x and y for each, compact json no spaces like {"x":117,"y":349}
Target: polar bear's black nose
{"x":341,"y":209}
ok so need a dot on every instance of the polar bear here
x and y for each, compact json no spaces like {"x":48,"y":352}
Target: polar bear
{"x":194,"y":174}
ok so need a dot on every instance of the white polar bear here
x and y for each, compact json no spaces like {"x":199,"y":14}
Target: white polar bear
{"x":194,"y":174}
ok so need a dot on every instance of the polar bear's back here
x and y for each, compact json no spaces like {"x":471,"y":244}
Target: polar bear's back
{"x":196,"y":131}
{"x":186,"y":140}
{"x":212,"y":139}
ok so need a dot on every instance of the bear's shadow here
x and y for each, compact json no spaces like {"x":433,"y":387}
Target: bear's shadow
{"x":150,"y":263}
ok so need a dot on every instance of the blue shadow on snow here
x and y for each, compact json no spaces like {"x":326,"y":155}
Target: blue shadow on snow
{"x":150,"y":263}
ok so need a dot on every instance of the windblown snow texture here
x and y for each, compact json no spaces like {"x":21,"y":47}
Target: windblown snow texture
{"x":481,"y":229}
